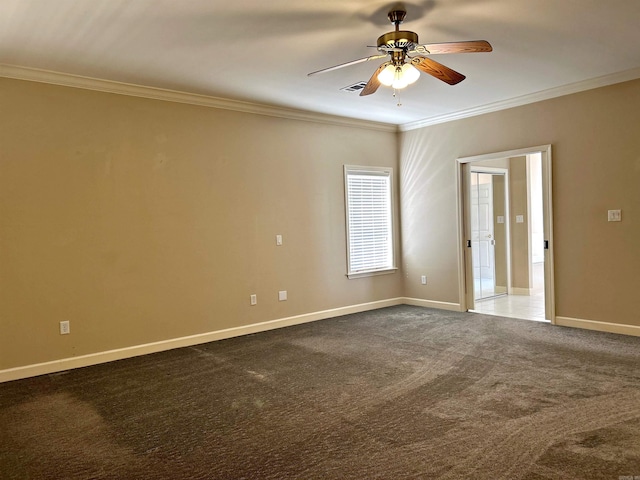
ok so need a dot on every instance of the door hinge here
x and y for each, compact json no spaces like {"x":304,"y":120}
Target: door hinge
{"x":469,"y":243}
{"x":546,"y":244}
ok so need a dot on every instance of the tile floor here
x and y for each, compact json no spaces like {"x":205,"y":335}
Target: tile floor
{"x":528,"y":307}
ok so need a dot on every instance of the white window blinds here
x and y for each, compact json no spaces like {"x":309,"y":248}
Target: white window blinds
{"x":369,"y":219}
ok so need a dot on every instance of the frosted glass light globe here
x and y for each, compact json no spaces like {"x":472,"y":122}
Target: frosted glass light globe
{"x":385,"y":77}
{"x":411,"y":73}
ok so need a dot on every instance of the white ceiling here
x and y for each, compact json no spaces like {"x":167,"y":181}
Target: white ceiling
{"x":261,"y":51}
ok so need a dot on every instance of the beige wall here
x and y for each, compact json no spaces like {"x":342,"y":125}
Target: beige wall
{"x":500,"y":232}
{"x":140,"y":220}
{"x":596,"y":167}
{"x":519,"y":231}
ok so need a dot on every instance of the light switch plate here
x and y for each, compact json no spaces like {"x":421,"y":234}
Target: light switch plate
{"x":278,"y":240}
{"x":282,"y":295}
{"x":500,"y":218}
{"x":519,"y":218}
{"x":614,"y":215}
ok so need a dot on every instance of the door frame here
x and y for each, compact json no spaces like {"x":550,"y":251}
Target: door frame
{"x":464,"y":254}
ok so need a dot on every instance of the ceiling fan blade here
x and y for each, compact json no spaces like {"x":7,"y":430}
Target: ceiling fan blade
{"x":472,"y":46}
{"x":347,"y":64}
{"x":437,"y":70}
{"x":373,"y":83}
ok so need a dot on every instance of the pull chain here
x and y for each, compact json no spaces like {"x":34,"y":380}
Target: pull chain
{"x":396,"y":95}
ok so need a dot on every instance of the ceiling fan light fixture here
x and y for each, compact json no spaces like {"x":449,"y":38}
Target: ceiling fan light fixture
{"x":397,"y":76}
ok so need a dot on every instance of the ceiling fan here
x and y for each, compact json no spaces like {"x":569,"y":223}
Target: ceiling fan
{"x":408,"y":58}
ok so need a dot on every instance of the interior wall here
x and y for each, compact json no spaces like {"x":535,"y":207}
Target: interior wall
{"x":519,"y":231}
{"x":500,"y":233}
{"x":141,"y":220}
{"x":596,"y":167}
{"x":536,"y":213}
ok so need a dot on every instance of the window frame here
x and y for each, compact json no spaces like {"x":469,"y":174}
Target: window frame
{"x":373,"y":171}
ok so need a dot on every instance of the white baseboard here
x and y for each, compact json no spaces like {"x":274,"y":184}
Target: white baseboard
{"x":418,"y":302}
{"x":599,"y":326}
{"x":520,"y":291}
{"x":137,"y":350}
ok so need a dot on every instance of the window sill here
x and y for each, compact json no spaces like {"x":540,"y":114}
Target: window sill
{"x":371,"y":273}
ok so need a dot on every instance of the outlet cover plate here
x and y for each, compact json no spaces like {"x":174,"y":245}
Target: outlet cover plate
{"x":65,"y":328}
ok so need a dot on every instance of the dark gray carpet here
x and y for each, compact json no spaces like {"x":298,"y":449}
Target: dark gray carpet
{"x":402,"y":392}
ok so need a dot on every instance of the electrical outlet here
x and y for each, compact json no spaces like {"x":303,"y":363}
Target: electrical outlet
{"x":254,"y":299}
{"x":278,"y":240}
{"x":65,"y":329}
{"x":282,"y":295}
{"x":423,"y":279}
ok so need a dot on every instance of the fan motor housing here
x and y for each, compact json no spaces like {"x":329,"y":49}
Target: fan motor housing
{"x":399,"y":39}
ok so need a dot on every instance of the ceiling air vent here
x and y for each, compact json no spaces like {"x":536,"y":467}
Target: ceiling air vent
{"x":356,"y":87}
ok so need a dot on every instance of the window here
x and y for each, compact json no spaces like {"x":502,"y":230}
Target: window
{"x":368,"y":196}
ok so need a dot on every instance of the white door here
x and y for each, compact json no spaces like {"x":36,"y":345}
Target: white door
{"x":482,"y":235}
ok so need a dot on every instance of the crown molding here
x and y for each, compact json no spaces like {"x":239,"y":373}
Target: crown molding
{"x":120,"y":88}
{"x":577,"y":87}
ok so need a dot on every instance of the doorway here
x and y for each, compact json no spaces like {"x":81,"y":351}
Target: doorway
{"x":505,"y":225}
{"x":486,"y":188}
